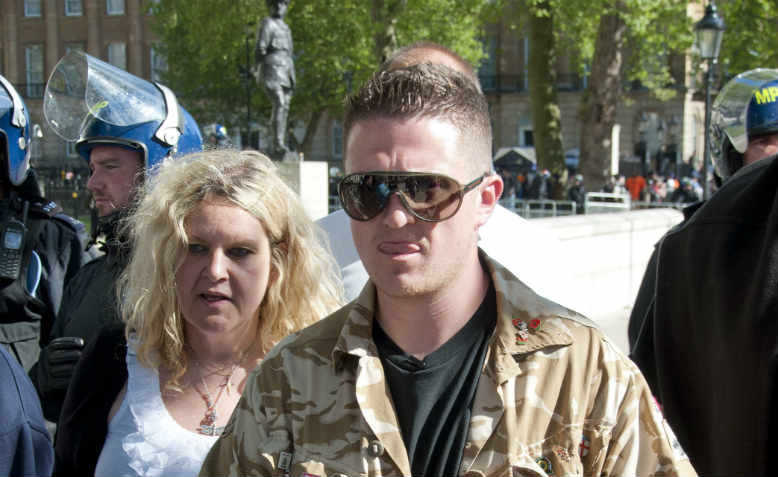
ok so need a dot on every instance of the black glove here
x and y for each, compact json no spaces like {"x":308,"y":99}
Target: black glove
{"x":56,"y":363}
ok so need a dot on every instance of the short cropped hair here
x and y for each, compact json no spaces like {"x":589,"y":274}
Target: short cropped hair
{"x":431,"y":91}
{"x":429,"y":52}
{"x":305,"y":285}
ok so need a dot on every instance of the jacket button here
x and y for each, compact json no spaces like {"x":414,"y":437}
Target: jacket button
{"x":375,"y":449}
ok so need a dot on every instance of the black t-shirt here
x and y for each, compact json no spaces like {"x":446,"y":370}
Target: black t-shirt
{"x":433,"y":397}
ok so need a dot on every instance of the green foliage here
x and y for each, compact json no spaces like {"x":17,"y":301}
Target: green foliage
{"x":204,"y":42}
{"x":751,"y":36}
{"x":656,"y":29}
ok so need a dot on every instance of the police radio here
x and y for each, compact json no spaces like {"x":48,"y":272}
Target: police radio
{"x":12,"y":245}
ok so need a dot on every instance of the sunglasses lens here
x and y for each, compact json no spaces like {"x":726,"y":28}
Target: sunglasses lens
{"x":430,"y":197}
{"x":362,"y":196}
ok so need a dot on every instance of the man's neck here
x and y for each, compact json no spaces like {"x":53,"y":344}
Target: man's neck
{"x":420,"y":325}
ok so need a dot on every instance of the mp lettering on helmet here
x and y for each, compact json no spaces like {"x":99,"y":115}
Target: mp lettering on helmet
{"x":766,"y":95}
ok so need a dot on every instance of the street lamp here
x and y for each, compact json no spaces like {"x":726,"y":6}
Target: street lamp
{"x":709,"y":32}
{"x":249,"y":79}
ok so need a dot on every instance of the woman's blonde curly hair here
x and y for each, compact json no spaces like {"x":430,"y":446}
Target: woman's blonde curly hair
{"x":306,"y":285}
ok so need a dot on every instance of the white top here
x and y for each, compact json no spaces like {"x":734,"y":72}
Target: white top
{"x":530,"y":252}
{"x":143,"y":438}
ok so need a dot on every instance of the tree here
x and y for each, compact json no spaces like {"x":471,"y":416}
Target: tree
{"x":751,"y":38}
{"x":546,"y":115}
{"x":337,"y":43}
{"x":620,"y":41}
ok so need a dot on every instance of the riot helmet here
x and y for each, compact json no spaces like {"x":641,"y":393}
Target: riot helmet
{"x":97,"y":104}
{"x":14,"y":133}
{"x":728,"y":134}
{"x":762,"y":112}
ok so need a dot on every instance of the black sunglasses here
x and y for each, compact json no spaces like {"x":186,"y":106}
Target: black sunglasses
{"x":427,"y":196}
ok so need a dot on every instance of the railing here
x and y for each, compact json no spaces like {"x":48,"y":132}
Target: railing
{"x":599,"y":202}
{"x":532,"y":209}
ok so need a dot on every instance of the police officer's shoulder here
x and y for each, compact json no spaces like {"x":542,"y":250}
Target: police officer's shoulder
{"x":76,"y":225}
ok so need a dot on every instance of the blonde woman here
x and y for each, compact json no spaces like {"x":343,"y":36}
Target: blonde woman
{"x":225,"y":264}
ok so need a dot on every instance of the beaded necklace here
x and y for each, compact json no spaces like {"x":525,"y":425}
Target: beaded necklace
{"x":208,"y":422}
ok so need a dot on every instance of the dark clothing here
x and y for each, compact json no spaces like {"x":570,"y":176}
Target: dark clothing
{"x":577,"y":194}
{"x":541,"y":187}
{"x":89,"y":303}
{"x":25,"y":444}
{"x":433,"y":397}
{"x":645,"y":298}
{"x":59,"y":241}
{"x":708,"y":342}
{"x":83,"y":424}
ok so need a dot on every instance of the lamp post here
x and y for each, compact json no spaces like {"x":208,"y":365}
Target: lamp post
{"x":709,"y":32}
{"x":249,"y":30}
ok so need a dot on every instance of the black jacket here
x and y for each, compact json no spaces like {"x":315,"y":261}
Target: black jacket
{"x":83,"y":425}
{"x":59,"y":241}
{"x":707,"y":342}
{"x":89,"y":303}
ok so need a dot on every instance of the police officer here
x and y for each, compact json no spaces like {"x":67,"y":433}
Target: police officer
{"x":703,"y":329}
{"x":123,"y":126}
{"x":40,"y":247}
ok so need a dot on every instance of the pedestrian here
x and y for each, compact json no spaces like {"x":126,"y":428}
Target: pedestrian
{"x":119,"y":158}
{"x":225,"y":264}
{"x":537,"y":257}
{"x":577,"y":194}
{"x":446,"y":364}
{"x":42,"y":248}
{"x":703,"y":326}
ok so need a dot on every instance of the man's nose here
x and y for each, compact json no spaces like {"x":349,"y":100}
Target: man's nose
{"x":395,"y":215}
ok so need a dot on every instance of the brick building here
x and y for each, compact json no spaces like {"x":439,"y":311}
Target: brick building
{"x":35,"y":34}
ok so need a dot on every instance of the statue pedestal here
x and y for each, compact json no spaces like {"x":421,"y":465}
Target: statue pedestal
{"x":311,"y":181}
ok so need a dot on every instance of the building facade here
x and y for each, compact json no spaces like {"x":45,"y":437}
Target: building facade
{"x":35,"y":34}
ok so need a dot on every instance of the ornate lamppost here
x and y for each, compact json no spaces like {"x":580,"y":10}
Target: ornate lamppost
{"x":709,"y":32}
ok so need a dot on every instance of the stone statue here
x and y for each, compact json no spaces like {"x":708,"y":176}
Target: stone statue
{"x":275,"y":69}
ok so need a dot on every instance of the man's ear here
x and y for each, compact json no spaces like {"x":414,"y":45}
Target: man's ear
{"x":490,"y":192}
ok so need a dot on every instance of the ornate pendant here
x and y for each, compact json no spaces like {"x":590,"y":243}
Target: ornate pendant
{"x":207,"y":426}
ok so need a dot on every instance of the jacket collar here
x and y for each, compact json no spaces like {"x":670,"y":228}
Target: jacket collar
{"x":526,"y":322}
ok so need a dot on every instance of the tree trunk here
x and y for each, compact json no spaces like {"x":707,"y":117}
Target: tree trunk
{"x":546,"y":124}
{"x":602,"y":98}
{"x":310,"y":132}
{"x":385,"y":14}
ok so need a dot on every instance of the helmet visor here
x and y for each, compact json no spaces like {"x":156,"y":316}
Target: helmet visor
{"x":728,"y":115}
{"x":82,"y":86}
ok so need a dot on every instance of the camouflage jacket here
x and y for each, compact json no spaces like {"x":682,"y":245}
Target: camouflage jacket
{"x":555,"y":398}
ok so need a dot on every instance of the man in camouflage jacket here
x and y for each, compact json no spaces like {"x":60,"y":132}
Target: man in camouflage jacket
{"x":548,"y":394}
{"x":564,"y":402}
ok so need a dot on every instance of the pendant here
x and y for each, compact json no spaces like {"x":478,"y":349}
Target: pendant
{"x":207,"y":426}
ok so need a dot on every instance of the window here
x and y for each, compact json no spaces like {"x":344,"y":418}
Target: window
{"x":32,"y":8}
{"x":33,"y":56}
{"x":525,"y":136}
{"x":337,"y":139}
{"x":70,"y":149}
{"x":114,"y":7}
{"x":73,"y":8}
{"x":158,"y":65}
{"x":117,"y":54}
{"x":73,"y":47}
{"x":487,"y":72}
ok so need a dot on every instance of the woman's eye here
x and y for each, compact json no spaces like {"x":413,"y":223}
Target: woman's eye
{"x":239,"y":252}
{"x":196,"y":248}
